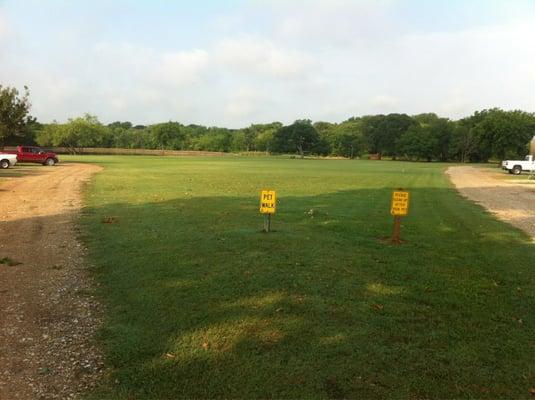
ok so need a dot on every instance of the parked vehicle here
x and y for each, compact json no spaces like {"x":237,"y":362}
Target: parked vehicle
{"x":7,"y":160}
{"x":516,"y":167}
{"x":30,"y":154}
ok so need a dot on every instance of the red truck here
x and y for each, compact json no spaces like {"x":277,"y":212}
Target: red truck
{"x":30,"y":154}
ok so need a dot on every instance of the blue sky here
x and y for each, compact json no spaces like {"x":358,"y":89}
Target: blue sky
{"x":238,"y":62}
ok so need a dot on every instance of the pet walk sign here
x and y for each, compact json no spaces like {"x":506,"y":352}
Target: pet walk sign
{"x":268,"y":206}
{"x":268,"y":202}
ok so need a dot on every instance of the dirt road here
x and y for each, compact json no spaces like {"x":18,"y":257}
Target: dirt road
{"x":47,"y":312}
{"x":511,"y":200}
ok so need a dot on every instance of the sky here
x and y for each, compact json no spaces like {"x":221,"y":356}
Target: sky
{"x":235,"y":62}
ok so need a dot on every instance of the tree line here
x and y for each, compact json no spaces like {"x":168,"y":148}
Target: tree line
{"x":487,"y":134}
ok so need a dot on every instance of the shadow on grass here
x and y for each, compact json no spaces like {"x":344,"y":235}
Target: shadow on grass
{"x":203,"y":305}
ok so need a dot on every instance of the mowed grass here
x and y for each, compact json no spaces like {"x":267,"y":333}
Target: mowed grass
{"x":201,"y":304}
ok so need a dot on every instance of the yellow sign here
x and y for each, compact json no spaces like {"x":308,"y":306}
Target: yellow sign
{"x":400,"y":204}
{"x":268,"y":200}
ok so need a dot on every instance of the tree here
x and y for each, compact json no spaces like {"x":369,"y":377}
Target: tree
{"x":80,"y":132}
{"x":119,"y":124}
{"x":383,"y":131}
{"x":300,"y":137}
{"x":45,"y":136}
{"x":169,"y":135}
{"x":327,"y":135}
{"x":238,"y":142}
{"x":249,"y":136}
{"x":215,"y":139}
{"x":486,"y":134}
{"x":420,"y":142}
{"x":349,"y":140}
{"x":504,"y":134}
{"x":463,"y":143}
{"x":28,"y":136}
{"x":264,"y":133}
{"x":442,"y":131}
{"x":137,"y":139}
{"x":14,"y":112}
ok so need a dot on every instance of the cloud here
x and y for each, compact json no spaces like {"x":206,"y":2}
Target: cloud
{"x":274,"y":61}
{"x":478,"y":68}
{"x":336,"y":23}
{"x":6,"y":35}
{"x":182,"y":68}
{"x":258,"y":56}
{"x":385,"y":103}
{"x":4,"y":26}
{"x":246,"y":104}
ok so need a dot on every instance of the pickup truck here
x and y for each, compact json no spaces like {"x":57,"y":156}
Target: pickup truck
{"x":7,"y":160}
{"x":30,"y":154}
{"x":517,"y":166}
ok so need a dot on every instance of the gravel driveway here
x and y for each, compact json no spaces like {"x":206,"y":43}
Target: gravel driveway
{"x":511,"y":200}
{"x":48,"y":315}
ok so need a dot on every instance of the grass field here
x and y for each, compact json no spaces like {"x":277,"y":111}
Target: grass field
{"x":201,"y":304}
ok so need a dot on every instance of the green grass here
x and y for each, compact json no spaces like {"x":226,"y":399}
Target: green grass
{"x":201,"y":304}
{"x":9,"y":262}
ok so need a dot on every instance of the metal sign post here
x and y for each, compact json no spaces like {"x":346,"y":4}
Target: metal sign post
{"x":267,"y":222}
{"x":268,"y":203}
{"x":399,"y":207}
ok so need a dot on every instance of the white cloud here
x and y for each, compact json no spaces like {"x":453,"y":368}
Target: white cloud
{"x":4,"y":26}
{"x":6,"y":35}
{"x":337,"y":23}
{"x":258,"y":56}
{"x":182,"y":68}
{"x":458,"y":72}
{"x":246,"y":104}
{"x":328,"y":60}
{"x":385,"y":103}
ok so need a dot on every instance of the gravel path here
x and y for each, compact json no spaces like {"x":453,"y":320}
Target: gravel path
{"x":48,"y":315}
{"x":511,"y":200}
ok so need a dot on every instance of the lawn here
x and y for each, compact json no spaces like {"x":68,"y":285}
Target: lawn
{"x":201,"y":304}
